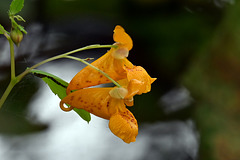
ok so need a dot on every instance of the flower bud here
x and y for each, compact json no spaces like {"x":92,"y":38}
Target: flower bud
{"x":16,"y":36}
{"x":119,"y":93}
{"x":120,"y":53}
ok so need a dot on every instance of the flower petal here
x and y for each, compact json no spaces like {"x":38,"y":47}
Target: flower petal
{"x":134,"y":87}
{"x":129,"y":101}
{"x":124,"y":125}
{"x":142,"y":81}
{"x":90,"y":77}
{"x":93,"y":100}
{"x":107,"y":63}
{"x":122,"y":37}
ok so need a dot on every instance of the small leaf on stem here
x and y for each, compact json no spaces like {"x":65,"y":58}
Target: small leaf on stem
{"x":15,"y":7}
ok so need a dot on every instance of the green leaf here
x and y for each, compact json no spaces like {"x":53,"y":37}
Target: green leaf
{"x":58,"y":87}
{"x":83,"y":114}
{"x":16,"y":6}
{"x":56,"y":84}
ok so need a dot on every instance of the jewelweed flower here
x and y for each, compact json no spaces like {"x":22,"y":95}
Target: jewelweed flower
{"x":100,"y":102}
{"x":112,"y":63}
{"x":110,"y":103}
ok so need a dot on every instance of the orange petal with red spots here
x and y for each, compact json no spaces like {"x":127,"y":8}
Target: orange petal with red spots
{"x":90,"y":77}
{"x":124,"y":125}
{"x":122,"y":37}
{"x":93,"y":100}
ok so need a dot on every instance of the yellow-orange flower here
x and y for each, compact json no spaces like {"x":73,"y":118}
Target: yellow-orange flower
{"x":110,"y":103}
{"x":99,"y":102}
{"x":112,"y":63}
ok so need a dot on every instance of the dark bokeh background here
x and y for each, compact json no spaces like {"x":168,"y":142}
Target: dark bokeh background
{"x":191,"y":47}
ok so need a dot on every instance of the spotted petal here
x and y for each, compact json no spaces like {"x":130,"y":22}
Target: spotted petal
{"x":93,"y":100}
{"x":90,"y":77}
{"x":108,"y":63}
{"x":124,"y":125}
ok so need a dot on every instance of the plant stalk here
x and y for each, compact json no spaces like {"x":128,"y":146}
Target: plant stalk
{"x":105,"y":74}
{"x":13,"y":74}
{"x":15,"y":80}
{"x":62,"y":56}
{"x":7,"y":92}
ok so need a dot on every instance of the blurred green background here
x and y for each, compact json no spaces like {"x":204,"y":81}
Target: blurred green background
{"x":195,"y":44}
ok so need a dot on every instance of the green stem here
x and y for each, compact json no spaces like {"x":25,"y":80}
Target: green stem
{"x":4,"y":33}
{"x":105,"y":74}
{"x":62,"y":56}
{"x":7,"y":91}
{"x":13,"y":75}
{"x":15,"y":80}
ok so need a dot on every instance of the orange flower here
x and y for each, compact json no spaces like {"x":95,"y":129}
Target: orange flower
{"x":112,"y":63}
{"x":108,"y":104}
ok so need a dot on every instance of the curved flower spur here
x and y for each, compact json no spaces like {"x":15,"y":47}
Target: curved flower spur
{"x":110,"y":103}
